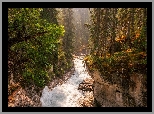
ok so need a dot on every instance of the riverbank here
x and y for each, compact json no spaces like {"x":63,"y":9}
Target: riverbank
{"x":30,"y":96}
{"x":67,"y":86}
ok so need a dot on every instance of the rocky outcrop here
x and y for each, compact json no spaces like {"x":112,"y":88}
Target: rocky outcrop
{"x":117,"y":94}
{"x":87,"y":85}
{"x":24,"y":98}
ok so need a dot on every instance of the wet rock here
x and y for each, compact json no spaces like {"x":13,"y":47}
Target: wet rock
{"x":86,"y":85}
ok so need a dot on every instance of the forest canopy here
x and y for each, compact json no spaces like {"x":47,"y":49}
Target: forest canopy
{"x":33,"y":43}
{"x":118,"y":40}
{"x":42,"y":41}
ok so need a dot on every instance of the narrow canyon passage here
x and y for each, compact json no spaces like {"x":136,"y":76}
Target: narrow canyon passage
{"x":67,"y":94}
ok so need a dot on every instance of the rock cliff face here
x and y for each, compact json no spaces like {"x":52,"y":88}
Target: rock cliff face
{"x":121,"y":93}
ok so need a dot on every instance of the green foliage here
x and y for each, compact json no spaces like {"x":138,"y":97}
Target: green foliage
{"x":65,"y":52}
{"x":141,"y":43}
{"x":50,"y":14}
{"x":41,"y":50}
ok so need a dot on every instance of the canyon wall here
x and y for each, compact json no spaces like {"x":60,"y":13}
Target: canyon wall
{"x":120,"y":92}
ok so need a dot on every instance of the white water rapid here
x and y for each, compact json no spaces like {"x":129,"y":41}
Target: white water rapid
{"x":67,"y":94}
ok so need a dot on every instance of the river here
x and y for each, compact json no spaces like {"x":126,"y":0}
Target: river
{"x":67,"y":94}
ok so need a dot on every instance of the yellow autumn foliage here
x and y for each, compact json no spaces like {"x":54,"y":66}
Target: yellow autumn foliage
{"x":129,"y":50}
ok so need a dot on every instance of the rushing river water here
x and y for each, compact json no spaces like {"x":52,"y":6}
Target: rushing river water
{"x":67,"y":94}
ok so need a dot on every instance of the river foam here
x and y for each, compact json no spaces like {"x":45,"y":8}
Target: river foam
{"x":67,"y":94}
